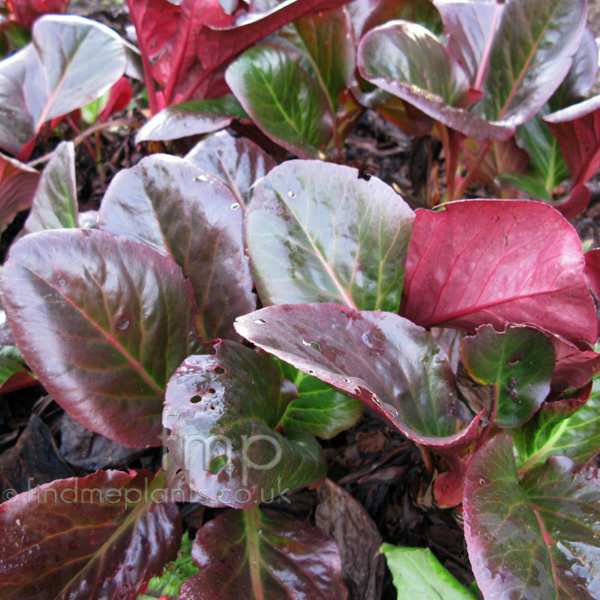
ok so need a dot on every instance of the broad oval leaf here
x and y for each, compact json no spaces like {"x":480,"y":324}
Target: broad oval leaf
{"x":55,"y":202}
{"x":222,"y":410}
{"x":577,"y":129}
{"x":406,"y":60}
{"x":493,"y":261}
{"x":328,"y":39}
{"x":100,"y":536}
{"x":527,"y":62}
{"x":237,"y":162}
{"x":534,"y":538}
{"x":282,"y":98}
{"x":182,"y":212}
{"x":191,"y":118}
{"x":319,"y":409}
{"x":317,"y":233}
{"x":71,"y":62}
{"x":393,"y":366}
{"x":419,"y":574}
{"x":560,"y":429}
{"x":18,"y":185}
{"x":518,"y":362}
{"x":254,"y":554}
{"x":113,"y":303}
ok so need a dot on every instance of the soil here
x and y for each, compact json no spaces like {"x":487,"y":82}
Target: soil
{"x":380,"y":471}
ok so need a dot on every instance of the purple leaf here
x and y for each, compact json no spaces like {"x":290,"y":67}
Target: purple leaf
{"x":526,"y":64}
{"x":222,"y":410}
{"x":101,"y":536}
{"x":493,"y":261}
{"x":535,"y":537}
{"x":182,"y":212}
{"x":55,"y":202}
{"x":317,"y":233}
{"x":237,"y":162}
{"x":252,"y":555}
{"x":419,"y":69}
{"x":18,"y":184}
{"x":113,"y":304}
{"x":395,"y":367}
{"x":71,"y":62}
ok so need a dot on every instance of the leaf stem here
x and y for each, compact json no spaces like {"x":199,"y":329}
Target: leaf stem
{"x":466,"y":181}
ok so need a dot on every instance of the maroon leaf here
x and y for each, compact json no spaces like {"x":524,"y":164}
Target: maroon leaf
{"x":237,"y":162}
{"x":18,"y":184}
{"x":252,"y":555}
{"x":498,"y":262}
{"x":27,"y":11}
{"x":535,"y":537}
{"x":577,"y":201}
{"x":222,"y":410}
{"x":582,"y":74}
{"x":395,"y":367}
{"x":101,"y":536}
{"x":177,"y":209}
{"x":577,"y":129}
{"x":113,"y":304}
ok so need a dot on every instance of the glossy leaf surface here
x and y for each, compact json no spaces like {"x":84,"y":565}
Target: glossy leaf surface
{"x":498,"y":262}
{"x":419,"y":69}
{"x":526,"y":62}
{"x":177,"y":209}
{"x":191,"y":118}
{"x":55,"y":202}
{"x":328,"y":39}
{"x":317,"y":233}
{"x":393,"y":366}
{"x":282,"y":98}
{"x":559,"y":429}
{"x":319,"y":409}
{"x":94,"y":537}
{"x":251,"y":555}
{"x":236,"y":161}
{"x":222,"y":410}
{"x":70,"y":62}
{"x":471,"y":27}
{"x":577,"y":129}
{"x":518,"y":363}
{"x":534,"y":538}
{"x":113,"y":304}
{"x":418,"y":573}
{"x":18,"y":185}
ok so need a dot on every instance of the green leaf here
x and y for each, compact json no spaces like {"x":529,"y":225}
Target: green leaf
{"x":319,"y":409}
{"x":191,"y":118}
{"x":260,"y":555}
{"x":535,"y":537}
{"x":328,"y":39}
{"x":317,"y":233}
{"x":282,"y":98}
{"x":529,"y":184}
{"x":55,"y":202}
{"x":557,"y":430}
{"x":517,"y":362}
{"x":222,"y":410}
{"x":419,"y":574}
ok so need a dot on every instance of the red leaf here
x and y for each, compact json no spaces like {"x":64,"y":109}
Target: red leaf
{"x":119,"y":99}
{"x":18,"y":184}
{"x":27,"y":11}
{"x":498,"y":262}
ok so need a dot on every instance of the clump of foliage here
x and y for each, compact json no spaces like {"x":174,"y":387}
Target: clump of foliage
{"x":237,"y":311}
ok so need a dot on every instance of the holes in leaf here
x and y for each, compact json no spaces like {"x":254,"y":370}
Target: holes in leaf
{"x":235,"y":206}
{"x":62,"y":281}
{"x":212,"y":391}
{"x":201,"y":178}
{"x":514,"y":360}
{"x":260,"y":321}
{"x":218,"y":463}
{"x":482,"y":481}
{"x":314,"y":345}
{"x":291,"y":194}
{"x":195,"y":399}
{"x":123,"y":324}
{"x":219,"y":370}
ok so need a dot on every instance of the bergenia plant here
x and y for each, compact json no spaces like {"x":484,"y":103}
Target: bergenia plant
{"x":146,"y":317}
